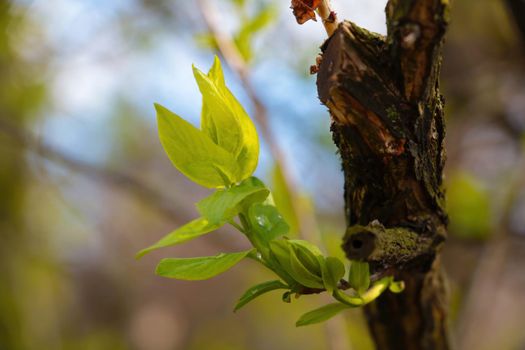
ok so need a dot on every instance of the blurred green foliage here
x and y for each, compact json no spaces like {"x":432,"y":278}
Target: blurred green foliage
{"x":468,"y":205}
{"x":248,"y":27}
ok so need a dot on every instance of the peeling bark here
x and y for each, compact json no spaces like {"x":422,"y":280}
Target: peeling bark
{"x":387,"y":121}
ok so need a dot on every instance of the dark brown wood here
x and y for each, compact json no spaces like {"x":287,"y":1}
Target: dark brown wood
{"x":517,"y":12}
{"x":387,"y":121}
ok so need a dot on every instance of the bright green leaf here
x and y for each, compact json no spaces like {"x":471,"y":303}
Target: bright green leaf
{"x":191,"y":230}
{"x":193,"y":152}
{"x":258,"y":290}
{"x":285,"y":255}
{"x":396,"y":286}
{"x":280,"y":261}
{"x":370,"y":295}
{"x":359,"y":277}
{"x":281,"y":252}
{"x":307,"y":245}
{"x":201,"y":268}
{"x":352,"y":301}
{"x":321,"y":314}
{"x":302,"y":274}
{"x":377,"y":288}
{"x":226,"y":122}
{"x":332,"y":271}
{"x":308,"y":255}
{"x":266,"y":222}
{"x":224,"y":204}
{"x":275,"y":265}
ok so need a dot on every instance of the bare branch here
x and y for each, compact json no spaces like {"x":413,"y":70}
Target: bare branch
{"x":124,"y":181}
{"x":328,"y":17}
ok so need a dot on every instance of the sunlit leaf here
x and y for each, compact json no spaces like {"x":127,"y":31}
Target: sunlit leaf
{"x":302,"y":274}
{"x":352,"y":301}
{"x":258,"y":290}
{"x":224,"y":204}
{"x":267,"y":222}
{"x":281,"y":252}
{"x":321,"y":314}
{"x":377,"y":288}
{"x":308,"y":254}
{"x":201,"y":268}
{"x":359,"y":277}
{"x":332,"y":272}
{"x":193,"y":152}
{"x":191,"y":230}
{"x":226,"y":122}
{"x":397,"y":286}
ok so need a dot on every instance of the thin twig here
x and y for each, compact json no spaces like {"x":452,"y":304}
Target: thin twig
{"x":147,"y":194}
{"x":328,"y":17}
{"x":237,"y":64}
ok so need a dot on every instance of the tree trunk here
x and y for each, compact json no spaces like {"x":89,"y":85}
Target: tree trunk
{"x":387,"y":121}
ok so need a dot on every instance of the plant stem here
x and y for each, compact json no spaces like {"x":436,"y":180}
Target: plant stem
{"x":328,"y":17}
{"x":237,"y":226}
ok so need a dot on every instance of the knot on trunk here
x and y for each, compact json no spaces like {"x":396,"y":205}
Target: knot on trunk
{"x":396,"y":248}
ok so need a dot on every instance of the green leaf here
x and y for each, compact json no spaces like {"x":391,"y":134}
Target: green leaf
{"x":396,"y":286}
{"x":275,"y":265}
{"x":266,"y":222}
{"x":285,"y":255}
{"x":281,"y":252}
{"x":191,"y":230}
{"x":280,"y":261}
{"x":359,"y":277}
{"x":308,"y":254}
{"x":333,"y":270}
{"x":193,"y":152}
{"x":377,"y":288}
{"x":258,"y":290}
{"x":302,"y":274}
{"x":226,"y":122}
{"x":352,"y":301}
{"x":321,"y":314}
{"x":312,"y":248}
{"x":202,"y":268}
{"x":370,"y":295}
{"x":223,"y":205}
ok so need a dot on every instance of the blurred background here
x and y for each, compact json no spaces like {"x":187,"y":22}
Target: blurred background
{"x":85,"y":184}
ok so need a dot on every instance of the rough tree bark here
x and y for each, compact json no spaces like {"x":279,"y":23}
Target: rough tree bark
{"x":387,"y":121}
